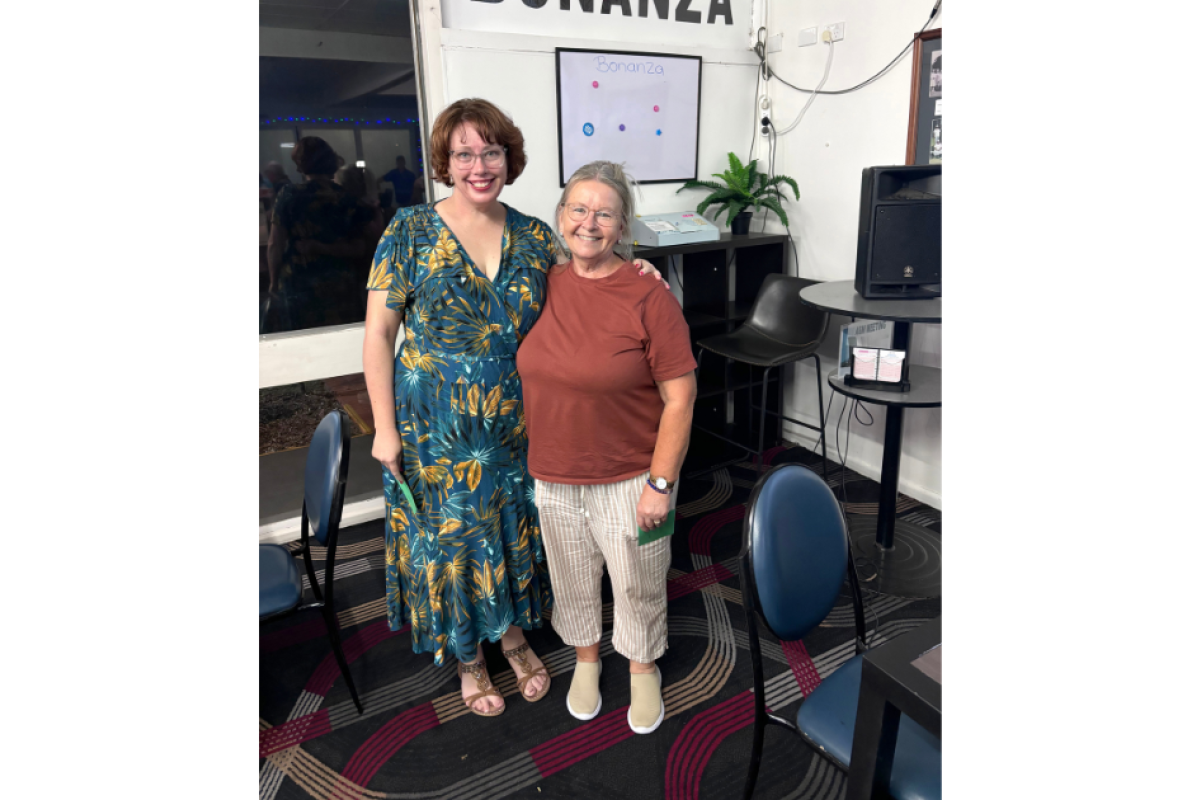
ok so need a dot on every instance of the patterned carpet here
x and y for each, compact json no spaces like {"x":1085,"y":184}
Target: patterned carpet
{"x":416,"y":739}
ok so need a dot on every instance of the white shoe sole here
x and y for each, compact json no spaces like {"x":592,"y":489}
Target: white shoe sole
{"x":662,"y":710}
{"x":595,"y":711}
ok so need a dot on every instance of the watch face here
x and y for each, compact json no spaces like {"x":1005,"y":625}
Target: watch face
{"x":661,"y":483}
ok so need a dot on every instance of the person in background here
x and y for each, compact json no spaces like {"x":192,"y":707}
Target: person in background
{"x":466,"y":277}
{"x":356,"y":181}
{"x":609,"y":384}
{"x":418,"y":192}
{"x":315,"y":228}
{"x":402,"y":180}
{"x":276,"y":176}
{"x":270,"y":181}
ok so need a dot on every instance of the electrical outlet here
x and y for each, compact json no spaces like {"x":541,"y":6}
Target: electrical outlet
{"x":836,"y":30}
{"x":808,"y":36}
{"x":775,"y":43}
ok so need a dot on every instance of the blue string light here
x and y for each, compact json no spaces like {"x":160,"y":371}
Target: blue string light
{"x":337,"y":120}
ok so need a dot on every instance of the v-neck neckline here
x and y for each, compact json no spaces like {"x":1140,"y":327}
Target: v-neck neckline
{"x":467,"y":256}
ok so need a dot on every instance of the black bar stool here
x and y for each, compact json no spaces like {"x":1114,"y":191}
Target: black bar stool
{"x":780,"y":330}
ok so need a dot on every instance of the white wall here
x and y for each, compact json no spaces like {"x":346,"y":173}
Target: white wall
{"x":516,"y":73}
{"x":826,"y":154}
{"x":838,"y":136}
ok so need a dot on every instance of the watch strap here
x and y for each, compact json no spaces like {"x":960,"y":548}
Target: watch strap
{"x":651,"y":484}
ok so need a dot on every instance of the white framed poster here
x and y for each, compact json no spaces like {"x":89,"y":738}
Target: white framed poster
{"x":638,"y":109}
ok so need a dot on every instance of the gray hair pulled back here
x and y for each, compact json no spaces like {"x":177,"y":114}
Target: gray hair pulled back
{"x":614,"y":177}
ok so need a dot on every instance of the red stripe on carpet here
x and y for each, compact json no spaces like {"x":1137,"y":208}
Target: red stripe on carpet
{"x":293,"y":732}
{"x":699,"y":739}
{"x":385,"y":742}
{"x":701,"y":535}
{"x":362,"y":641}
{"x":802,"y":666}
{"x":304,"y":632}
{"x":294,"y":635}
{"x":693,"y":581}
{"x":769,"y":455}
{"x":583,"y":742}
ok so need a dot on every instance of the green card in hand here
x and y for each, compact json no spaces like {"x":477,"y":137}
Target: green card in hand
{"x":408,"y":495}
{"x":666,"y":529}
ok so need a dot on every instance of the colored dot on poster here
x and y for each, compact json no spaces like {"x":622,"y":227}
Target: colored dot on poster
{"x":588,"y":130}
{"x":622,"y":127}
{"x":658,"y":132}
{"x":595,"y":84}
{"x":656,"y":108}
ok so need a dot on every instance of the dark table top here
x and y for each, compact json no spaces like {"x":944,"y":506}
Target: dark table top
{"x":840,"y":297}
{"x":895,"y":659}
{"x":925,"y":391}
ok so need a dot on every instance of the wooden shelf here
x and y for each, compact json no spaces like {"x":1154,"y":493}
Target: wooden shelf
{"x":708,"y":388}
{"x":726,"y":242}
{"x":718,"y":295}
{"x":697,"y":319}
{"x":738,"y":310}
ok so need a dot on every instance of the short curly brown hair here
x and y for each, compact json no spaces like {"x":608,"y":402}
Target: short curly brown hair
{"x":314,"y":156}
{"x":493,"y":125}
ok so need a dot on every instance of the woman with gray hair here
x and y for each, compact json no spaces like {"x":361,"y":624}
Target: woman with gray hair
{"x":608,"y":390}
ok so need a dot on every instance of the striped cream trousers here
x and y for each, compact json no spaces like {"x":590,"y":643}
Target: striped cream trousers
{"x":586,"y":527}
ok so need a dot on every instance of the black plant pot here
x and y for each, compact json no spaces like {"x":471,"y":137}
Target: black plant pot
{"x":741,"y":224}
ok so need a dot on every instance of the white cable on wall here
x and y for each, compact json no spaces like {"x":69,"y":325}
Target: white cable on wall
{"x":813,"y":96}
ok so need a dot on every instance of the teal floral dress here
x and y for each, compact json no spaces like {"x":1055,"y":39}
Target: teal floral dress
{"x":470,"y":562}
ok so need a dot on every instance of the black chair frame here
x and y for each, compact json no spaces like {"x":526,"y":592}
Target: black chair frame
{"x":324,"y":597}
{"x":751,"y":605}
{"x":763,"y":411}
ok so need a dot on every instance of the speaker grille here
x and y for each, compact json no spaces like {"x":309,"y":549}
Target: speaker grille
{"x":907,"y":244}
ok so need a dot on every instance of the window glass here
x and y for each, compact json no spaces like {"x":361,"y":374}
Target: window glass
{"x":339,"y":152}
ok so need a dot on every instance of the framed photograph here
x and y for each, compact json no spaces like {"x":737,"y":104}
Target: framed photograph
{"x":639,"y":109}
{"x":925,"y":101}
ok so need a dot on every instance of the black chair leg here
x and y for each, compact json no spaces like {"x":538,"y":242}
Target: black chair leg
{"x":760,"y":702}
{"x":335,"y":639}
{"x":821,"y":409}
{"x":760,"y":725}
{"x":762,"y":420}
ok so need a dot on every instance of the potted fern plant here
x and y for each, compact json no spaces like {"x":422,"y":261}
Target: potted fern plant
{"x":743,"y":187}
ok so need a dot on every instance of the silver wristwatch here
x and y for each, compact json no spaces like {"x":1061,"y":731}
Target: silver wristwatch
{"x":660,"y":485}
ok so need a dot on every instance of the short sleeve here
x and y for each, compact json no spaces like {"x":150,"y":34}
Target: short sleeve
{"x":546,"y":245}
{"x":394,"y":267}
{"x":670,"y":342}
{"x":280,"y":211}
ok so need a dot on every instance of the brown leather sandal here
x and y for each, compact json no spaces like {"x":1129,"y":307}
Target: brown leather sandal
{"x":484,"y":684}
{"x":518,"y":653}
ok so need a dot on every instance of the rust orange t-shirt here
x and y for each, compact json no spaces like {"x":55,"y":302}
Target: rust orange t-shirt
{"x":588,"y":369}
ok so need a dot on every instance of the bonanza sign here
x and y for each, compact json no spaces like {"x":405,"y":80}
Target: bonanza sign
{"x":704,"y":23}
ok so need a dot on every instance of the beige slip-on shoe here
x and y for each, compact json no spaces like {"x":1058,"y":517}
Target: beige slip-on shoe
{"x":646,"y":708}
{"x":583,"y":701}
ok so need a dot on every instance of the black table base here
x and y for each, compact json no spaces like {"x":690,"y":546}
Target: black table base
{"x":912,"y":567}
{"x":905,"y":558}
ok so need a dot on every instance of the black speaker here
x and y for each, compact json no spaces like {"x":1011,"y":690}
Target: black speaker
{"x":900,"y":233}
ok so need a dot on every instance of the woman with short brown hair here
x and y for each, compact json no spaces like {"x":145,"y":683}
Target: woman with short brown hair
{"x":491,"y":123}
{"x":320,"y":241}
{"x":467,"y":279}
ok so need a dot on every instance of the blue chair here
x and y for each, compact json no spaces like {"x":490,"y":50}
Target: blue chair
{"x":280,"y":589}
{"x":795,"y":557}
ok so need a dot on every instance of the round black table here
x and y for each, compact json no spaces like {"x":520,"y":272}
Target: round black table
{"x":905,"y":558}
